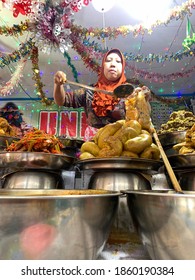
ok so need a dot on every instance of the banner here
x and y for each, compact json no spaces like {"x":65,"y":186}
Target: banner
{"x":69,"y":123}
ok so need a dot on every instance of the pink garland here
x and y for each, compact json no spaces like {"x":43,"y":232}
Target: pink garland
{"x":159,"y":78}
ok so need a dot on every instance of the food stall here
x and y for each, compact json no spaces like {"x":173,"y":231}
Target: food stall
{"x":42,"y":162}
{"x":111,"y":197}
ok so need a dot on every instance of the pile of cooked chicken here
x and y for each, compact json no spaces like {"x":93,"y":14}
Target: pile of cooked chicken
{"x":188,"y":146}
{"x":178,"y":121}
{"x":5,"y":128}
{"x":131,"y":137}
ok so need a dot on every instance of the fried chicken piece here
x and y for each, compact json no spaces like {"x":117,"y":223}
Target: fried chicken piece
{"x":112,"y":147}
{"x":138,"y":109}
{"x":186,"y":150}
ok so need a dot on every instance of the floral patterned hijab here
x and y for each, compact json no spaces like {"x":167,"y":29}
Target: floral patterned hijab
{"x":11,"y":113}
{"x":103,"y":103}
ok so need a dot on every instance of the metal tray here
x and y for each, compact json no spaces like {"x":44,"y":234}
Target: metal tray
{"x":172,"y":138}
{"x":35,"y":160}
{"x":120,"y":163}
{"x":182,"y":161}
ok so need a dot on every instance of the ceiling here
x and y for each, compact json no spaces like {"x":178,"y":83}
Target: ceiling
{"x":168,"y":78}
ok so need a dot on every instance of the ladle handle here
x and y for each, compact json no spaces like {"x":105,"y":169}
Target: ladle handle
{"x":89,"y":87}
{"x":172,"y":176}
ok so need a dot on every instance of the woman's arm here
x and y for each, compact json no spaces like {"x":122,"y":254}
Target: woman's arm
{"x":59,"y":92}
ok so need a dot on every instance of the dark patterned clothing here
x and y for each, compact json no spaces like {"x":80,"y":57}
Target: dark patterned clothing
{"x":83,"y":98}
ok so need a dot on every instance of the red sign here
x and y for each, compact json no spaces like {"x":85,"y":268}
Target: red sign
{"x":70,"y":123}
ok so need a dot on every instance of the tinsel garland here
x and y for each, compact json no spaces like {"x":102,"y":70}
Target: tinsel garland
{"x":151,"y":57}
{"x":64,"y":19}
{"x":178,"y":12}
{"x":159,"y":58}
{"x":16,"y":30}
{"x":37,"y":78}
{"x":16,"y":76}
{"x":90,"y":59}
{"x":159,"y":78}
{"x":77,"y":32}
{"x":16,"y":55}
{"x":74,"y":72}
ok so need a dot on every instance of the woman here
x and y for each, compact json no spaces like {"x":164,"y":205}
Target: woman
{"x":11,"y":113}
{"x":100,"y":108}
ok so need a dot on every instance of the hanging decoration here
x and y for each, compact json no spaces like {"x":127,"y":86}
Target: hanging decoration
{"x":64,"y":16}
{"x":91,"y":58}
{"x":178,"y":12}
{"x":23,"y":7}
{"x":52,"y":28}
{"x":13,"y":82}
{"x":16,"y":30}
{"x":74,"y":72}
{"x":49,"y":32}
{"x":37,"y":78}
{"x":160,"y":78}
{"x":52,"y":23}
{"x":23,"y":51}
{"x":150,"y":58}
{"x":190,"y":36}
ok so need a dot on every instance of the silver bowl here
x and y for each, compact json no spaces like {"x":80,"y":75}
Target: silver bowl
{"x":119,"y":180}
{"x":169,"y":139}
{"x":182,"y":162}
{"x":165,"y":221}
{"x":122,"y":229}
{"x":32,"y":179}
{"x":172,"y":138}
{"x":55,"y":224}
{"x":36,"y":160}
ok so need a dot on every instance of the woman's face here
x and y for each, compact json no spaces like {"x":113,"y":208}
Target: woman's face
{"x":113,"y":67}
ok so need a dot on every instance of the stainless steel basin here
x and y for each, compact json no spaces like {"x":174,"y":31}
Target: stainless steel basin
{"x":165,"y":221}
{"x":55,"y":224}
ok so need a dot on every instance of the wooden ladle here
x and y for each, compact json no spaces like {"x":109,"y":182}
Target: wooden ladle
{"x":172,"y":176}
{"x":121,"y":91}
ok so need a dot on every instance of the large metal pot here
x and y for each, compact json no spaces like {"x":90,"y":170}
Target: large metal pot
{"x":55,"y":224}
{"x":32,"y":179}
{"x":165,"y":221}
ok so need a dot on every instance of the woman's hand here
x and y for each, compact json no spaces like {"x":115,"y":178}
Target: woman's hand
{"x":59,"y":91}
{"x":60,"y":78}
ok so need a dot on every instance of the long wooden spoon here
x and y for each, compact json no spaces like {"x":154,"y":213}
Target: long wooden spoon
{"x":172,"y":176}
{"x":121,"y":91}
